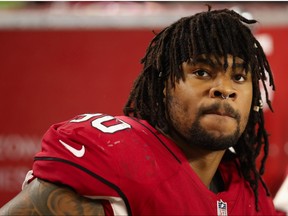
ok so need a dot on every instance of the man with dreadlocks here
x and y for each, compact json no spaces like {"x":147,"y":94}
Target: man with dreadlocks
{"x":187,"y":145}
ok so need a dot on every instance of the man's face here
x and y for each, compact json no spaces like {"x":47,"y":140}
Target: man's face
{"x":198,"y":113}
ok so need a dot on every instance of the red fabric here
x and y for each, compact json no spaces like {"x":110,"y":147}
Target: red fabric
{"x":107,"y":208}
{"x":131,"y":160}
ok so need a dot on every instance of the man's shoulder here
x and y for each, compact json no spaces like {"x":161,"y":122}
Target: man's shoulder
{"x":96,"y":129}
{"x":102,"y":150}
{"x":87,"y":135}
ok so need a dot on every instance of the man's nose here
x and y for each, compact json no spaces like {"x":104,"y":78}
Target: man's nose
{"x":223,"y":89}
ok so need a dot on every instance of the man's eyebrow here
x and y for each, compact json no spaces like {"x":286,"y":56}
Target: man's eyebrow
{"x":214,"y":63}
{"x":240,"y":65}
{"x":206,"y":61}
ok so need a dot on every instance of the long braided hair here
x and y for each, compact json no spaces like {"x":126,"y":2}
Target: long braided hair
{"x":216,"y":32}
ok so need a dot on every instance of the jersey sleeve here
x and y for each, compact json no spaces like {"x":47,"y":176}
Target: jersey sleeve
{"x":118,"y":159}
{"x":80,"y":153}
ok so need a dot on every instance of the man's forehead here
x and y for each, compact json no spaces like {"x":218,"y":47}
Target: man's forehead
{"x":220,"y":61}
{"x":216,"y":59}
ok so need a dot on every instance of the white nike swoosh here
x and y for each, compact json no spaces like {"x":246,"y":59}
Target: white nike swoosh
{"x":75,"y":152}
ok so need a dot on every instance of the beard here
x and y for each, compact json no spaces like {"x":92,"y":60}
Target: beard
{"x":199,"y":137}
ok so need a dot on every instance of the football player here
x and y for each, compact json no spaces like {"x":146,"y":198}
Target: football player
{"x":187,"y":143}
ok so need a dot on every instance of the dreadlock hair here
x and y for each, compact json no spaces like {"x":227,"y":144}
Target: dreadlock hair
{"x":216,"y":32}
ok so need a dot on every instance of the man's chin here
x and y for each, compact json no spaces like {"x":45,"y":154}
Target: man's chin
{"x":218,"y":135}
{"x":218,"y":130}
{"x":215,"y":140}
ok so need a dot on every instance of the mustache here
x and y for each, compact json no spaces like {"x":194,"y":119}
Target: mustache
{"x":221,"y":109}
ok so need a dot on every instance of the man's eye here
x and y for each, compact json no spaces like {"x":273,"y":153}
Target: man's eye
{"x":201,"y":73}
{"x":239,"y":78}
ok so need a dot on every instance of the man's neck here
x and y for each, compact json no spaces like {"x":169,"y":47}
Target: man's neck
{"x":203,"y":162}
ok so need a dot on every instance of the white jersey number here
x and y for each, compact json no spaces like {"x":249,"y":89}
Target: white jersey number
{"x":98,"y":123}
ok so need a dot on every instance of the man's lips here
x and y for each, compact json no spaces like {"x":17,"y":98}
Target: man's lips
{"x":222,"y":110}
{"x":220,"y":113}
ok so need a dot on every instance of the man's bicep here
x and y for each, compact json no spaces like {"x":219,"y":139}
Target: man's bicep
{"x":43,"y":198}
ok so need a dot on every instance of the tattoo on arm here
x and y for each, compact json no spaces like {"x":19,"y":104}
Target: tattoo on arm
{"x":43,"y":198}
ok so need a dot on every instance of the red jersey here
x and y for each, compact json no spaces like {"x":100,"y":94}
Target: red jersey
{"x":125,"y":160}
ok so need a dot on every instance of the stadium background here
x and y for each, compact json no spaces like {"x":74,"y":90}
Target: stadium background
{"x":60,"y":59}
